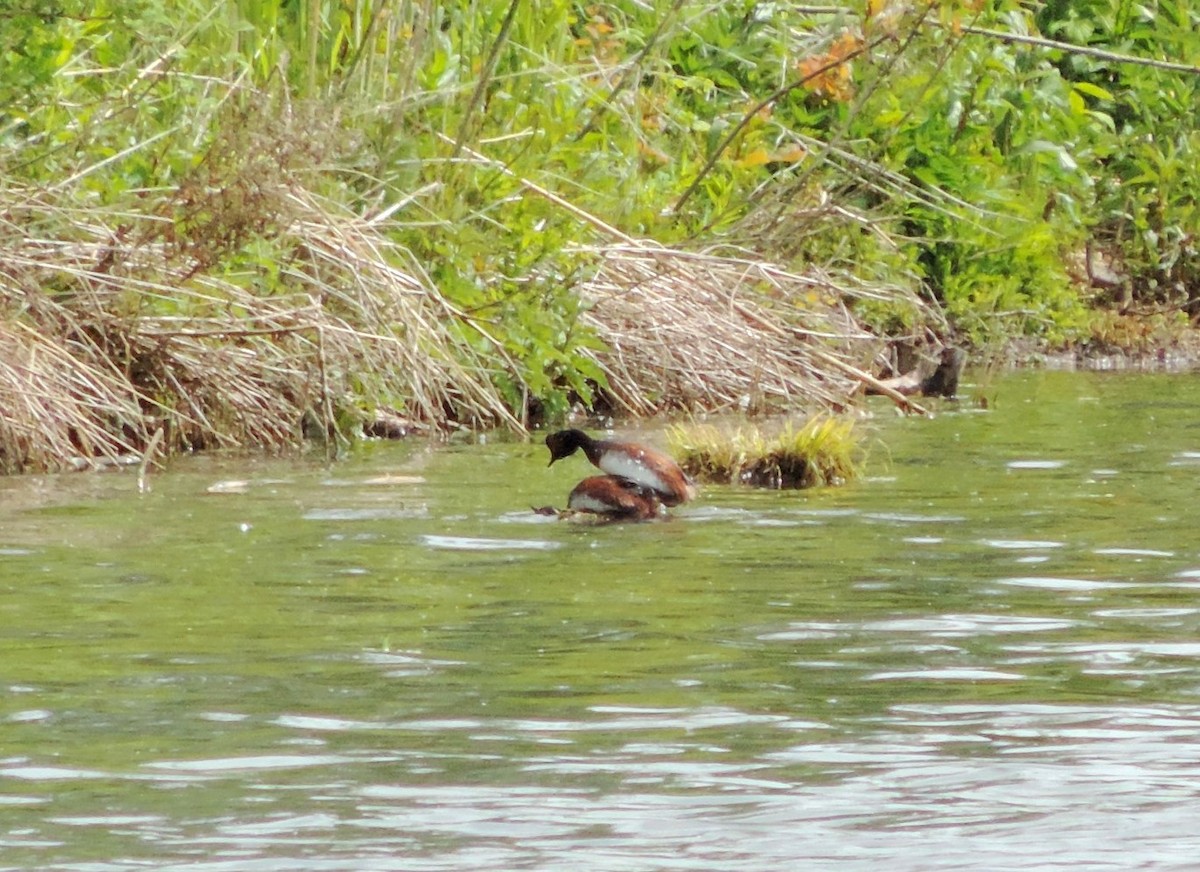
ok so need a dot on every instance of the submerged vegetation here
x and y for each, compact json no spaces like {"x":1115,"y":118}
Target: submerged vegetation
{"x":254,"y":222}
{"x":823,"y":451}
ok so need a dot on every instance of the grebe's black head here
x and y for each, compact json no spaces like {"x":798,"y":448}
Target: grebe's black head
{"x":564,"y":443}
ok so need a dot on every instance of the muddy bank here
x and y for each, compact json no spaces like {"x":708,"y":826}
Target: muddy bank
{"x":1179,"y":355}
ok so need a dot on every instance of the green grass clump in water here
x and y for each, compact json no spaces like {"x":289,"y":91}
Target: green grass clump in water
{"x":822,"y":452}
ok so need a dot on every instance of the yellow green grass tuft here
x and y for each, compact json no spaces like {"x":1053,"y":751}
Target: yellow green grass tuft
{"x":824,"y":451}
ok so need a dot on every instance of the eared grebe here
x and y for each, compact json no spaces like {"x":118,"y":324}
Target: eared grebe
{"x":646,"y":467}
{"x":614,"y":497}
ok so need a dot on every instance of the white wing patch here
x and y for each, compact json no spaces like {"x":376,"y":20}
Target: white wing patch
{"x":588,"y":503}
{"x":634,"y":470}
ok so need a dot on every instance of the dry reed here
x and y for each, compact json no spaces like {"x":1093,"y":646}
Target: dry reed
{"x":694,"y":331}
{"x":111,"y":329}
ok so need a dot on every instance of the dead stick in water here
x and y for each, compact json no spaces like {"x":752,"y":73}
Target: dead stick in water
{"x":895,"y":396}
{"x":147,"y":458}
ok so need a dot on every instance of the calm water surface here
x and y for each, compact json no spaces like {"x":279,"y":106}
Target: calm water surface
{"x":985,"y":655}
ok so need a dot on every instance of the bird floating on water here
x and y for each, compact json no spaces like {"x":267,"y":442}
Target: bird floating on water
{"x":640,"y":479}
{"x":615,"y":498}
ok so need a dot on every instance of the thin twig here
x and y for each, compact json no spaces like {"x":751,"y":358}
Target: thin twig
{"x":752,"y":113}
{"x":895,"y":396}
{"x":629,"y":76}
{"x":1088,"y":51}
{"x":485,"y":78}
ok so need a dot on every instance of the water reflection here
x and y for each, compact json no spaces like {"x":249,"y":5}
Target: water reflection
{"x":982,"y":653}
{"x":1024,"y":781}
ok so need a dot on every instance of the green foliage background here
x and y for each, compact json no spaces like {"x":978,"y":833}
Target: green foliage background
{"x":974,"y":168}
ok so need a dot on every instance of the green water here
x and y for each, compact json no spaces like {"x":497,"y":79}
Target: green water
{"x":985,"y":655}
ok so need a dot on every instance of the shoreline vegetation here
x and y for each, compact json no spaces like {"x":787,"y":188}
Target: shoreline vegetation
{"x":256,"y":224}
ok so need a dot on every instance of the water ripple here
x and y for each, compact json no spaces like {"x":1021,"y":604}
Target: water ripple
{"x":252,"y":763}
{"x":947,"y":674}
{"x":378,"y":513}
{"x":471,"y":543}
{"x":912,"y":518}
{"x":1064,"y":584}
{"x":1022,"y":544}
{"x":1035,"y":464}
{"x":958,"y":626}
{"x":1133,"y":552}
{"x":32,"y":772}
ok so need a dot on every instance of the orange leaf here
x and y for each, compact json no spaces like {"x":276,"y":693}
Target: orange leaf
{"x":652,"y":155}
{"x":756,"y":158}
{"x":793,"y":153}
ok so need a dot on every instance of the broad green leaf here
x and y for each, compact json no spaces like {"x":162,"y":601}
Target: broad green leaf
{"x":1092,"y":90}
